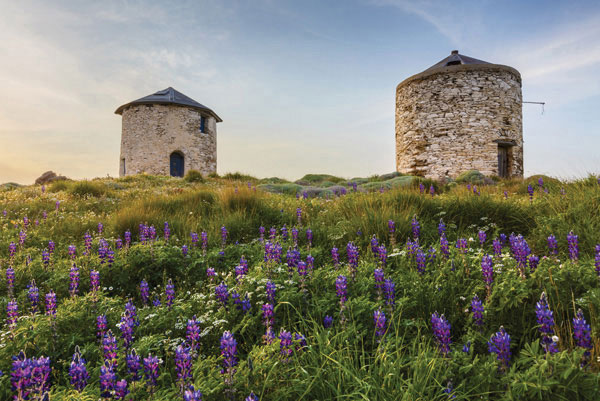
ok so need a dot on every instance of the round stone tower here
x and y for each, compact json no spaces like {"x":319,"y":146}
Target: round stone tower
{"x":460,"y":114}
{"x":167,"y":133}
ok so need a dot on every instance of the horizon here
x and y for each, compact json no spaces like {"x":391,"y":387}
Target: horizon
{"x":302,"y":88}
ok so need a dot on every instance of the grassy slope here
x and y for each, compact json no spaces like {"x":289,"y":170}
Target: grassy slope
{"x":337,"y":363}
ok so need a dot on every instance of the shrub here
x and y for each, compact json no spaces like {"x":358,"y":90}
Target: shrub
{"x":194,"y":176}
{"x":88,"y":188}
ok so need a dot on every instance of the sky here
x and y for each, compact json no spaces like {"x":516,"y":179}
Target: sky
{"x":302,"y":86}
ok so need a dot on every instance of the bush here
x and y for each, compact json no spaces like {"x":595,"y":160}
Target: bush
{"x":194,"y":176}
{"x":471,"y":177}
{"x":88,"y":188}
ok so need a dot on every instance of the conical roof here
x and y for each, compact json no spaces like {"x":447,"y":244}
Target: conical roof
{"x":170,"y":96}
{"x":455,"y":58}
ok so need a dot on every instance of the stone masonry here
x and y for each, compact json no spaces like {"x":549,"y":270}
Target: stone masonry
{"x":455,"y":118}
{"x":152,"y":132}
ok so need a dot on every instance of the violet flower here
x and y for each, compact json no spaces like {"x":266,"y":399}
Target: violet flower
{"x":222,"y":294}
{"x":497,"y":245}
{"x":133,"y":362}
{"x":229,"y":352}
{"x":421,"y":260}
{"x":78,"y":371}
{"x":107,"y":380}
{"x":327,"y":321}
{"x":33,"y":295}
{"x":12,"y":314}
{"x":193,"y":333}
{"x":380,"y":323}
{"x":270,"y":289}
{"x":144,"y":292}
{"x":151,"y":365}
{"x":167,"y":231}
{"x":582,"y":336}
{"x":573,"y":241}
{"x":10,"y":280}
{"x":183,"y":365}
{"x":101,"y":326}
{"x":552,"y":245}
{"x":477,"y":308}
{"x":109,"y":347}
{"x":389,"y":293}
{"x":482,"y":237}
{"x":170,"y":291}
{"x":190,"y":394}
{"x":353,"y":255}
{"x":444,"y":247}
{"x":545,"y":320}
{"x":379,"y":279}
{"x":94,"y":280}
{"x":309,"y":237}
{"x":533,"y":262}
{"x":285,"y":345}
{"x":51,"y":303}
{"x":499,"y":344}
{"x":416,"y":228}
{"x":121,"y":389}
{"x":74,"y":281}
{"x":441,"y":331}
{"x":268,"y":321}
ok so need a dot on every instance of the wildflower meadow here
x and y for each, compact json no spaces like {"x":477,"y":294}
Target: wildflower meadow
{"x":228,"y":288}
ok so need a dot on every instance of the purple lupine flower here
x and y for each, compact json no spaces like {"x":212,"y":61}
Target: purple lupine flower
{"x":389,"y":293}
{"x":33,"y":294}
{"x":25,"y":222}
{"x":441,"y":228}
{"x":261,"y":231}
{"x":596,"y":260}
{"x":573,"y":241}
{"x":167,"y":231}
{"x":210,"y":273}
{"x":353,"y":254}
{"x":292,"y":258}
{"x":194,"y":236}
{"x":391,"y":226}
{"x":421,"y":260}
{"x":302,"y":272}
{"x":101,"y":326}
{"x":22,"y":237}
{"x":487,"y":270}
{"x":45,"y":258}
{"x":51,"y":247}
{"x":499,"y":344}
{"x":74,"y":280}
{"x":335,"y":256}
{"x":229,"y":352}
{"x":295,"y":236}
{"x":12,"y":314}
{"x":30,"y":376}
{"x":183,"y":365}
{"x":441,"y":331}
{"x":204,"y":237}
{"x":100,"y":228}
{"x":477,"y":309}
{"x":192,"y":395}
{"x":533,"y":262}
{"x":379,"y":279}
{"x":310,"y":263}
{"x":224,"y":233}
{"x":341,"y":288}
{"x":421,"y":187}
{"x":252,"y":397}
{"x":285,"y":344}
{"x":552,"y":245}
{"x":467,"y":347}
{"x":184,"y":250}
{"x":482,"y":237}
{"x":497,"y":245}
{"x":380,"y":323}
{"x":461,"y":245}
{"x":545,"y":320}
{"x":582,"y":335}
{"x":193,"y":333}
{"x":72,"y":251}
{"x":270,"y":289}
{"x":382,"y":255}
{"x":530,"y":192}
{"x":374,"y":245}
{"x":444,"y":247}
{"x":156,"y":301}
{"x":416,"y":228}
{"x":110,"y":257}
{"x":107,"y":380}
{"x":133,"y":362}
{"x":94,"y":280}
{"x":327,"y":321}
{"x":268,"y":321}
{"x":121,"y":389}
{"x":78,"y":371}
{"x":51,"y":303}
{"x":151,"y":365}
{"x":241,"y":304}
{"x":12,"y":249}
{"x":284,"y":233}
{"x":87,"y":239}
{"x":126,"y":326}
{"x":170,"y":292}
{"x":144,"y":292}
{"x":309,"y":237}
{"x":109,"y":347}
{"x":540,"y":182}
{"x":127,"y":238}
{"x":119,"y":243}
{"x":521,"y":251}
{"x":10,"y":280}
{"x":222,"y":293}
{"x":431,"y":190}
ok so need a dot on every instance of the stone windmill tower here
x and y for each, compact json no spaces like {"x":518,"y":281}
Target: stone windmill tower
{"x":460,"y":114}
{"x":167,"y":133}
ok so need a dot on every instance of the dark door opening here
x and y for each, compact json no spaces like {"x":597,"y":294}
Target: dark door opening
{"x":176,"y":164}
{"x":502,"y":161}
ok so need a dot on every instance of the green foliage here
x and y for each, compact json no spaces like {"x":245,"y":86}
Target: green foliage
{"x":194,"y":176}
{"x":472,"y":177}
{"x":342,"y":362}
{"x":88,"y":188}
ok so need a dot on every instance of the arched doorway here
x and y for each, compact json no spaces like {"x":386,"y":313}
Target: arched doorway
{"x":177,"y":164}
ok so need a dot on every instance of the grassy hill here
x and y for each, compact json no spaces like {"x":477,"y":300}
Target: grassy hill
{"x":328,"y":251}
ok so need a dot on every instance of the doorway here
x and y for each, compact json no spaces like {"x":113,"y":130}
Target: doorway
{"x":177,"y":164}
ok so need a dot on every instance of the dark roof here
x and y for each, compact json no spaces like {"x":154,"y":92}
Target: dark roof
{"x":170,"y":96}
{"x":455,"y":59}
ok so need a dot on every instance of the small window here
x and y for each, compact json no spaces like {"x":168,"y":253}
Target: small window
{"x":202,"y":123}
{"x":123,"y":166}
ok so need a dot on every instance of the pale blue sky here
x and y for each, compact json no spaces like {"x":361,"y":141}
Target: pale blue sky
{"x":302,"y":86}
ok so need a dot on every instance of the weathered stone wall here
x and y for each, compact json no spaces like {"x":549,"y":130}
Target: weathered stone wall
{"x":451,"y":120}
{"x":152,"y":132}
